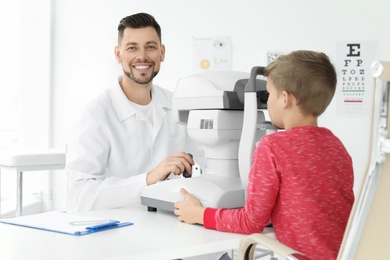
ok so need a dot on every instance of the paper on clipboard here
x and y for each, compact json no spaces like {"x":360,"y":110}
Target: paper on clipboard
{"x":61,"y":222}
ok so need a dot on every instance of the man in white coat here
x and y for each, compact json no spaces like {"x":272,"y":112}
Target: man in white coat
{"x":126,"y":138}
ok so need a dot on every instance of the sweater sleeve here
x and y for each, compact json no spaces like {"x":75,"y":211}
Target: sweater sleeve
{"x":262,"y":192}
{"x":209,"y":218}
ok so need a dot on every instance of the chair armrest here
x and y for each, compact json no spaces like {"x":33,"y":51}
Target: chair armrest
{"x":248,"y":245}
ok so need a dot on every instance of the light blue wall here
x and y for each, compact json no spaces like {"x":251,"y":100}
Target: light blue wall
{"x":85,"y":35}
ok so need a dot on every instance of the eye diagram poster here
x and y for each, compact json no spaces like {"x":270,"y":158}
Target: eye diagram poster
{"x":212,"y":53}
{"x":354,"y":80}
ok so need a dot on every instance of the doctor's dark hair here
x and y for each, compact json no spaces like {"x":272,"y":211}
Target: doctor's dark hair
{"x":309,"y":76}
{"x":139,"y":20}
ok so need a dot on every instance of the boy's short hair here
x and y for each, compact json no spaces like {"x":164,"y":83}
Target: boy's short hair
{"x":308,"y":75}
{"x":139,"y":20}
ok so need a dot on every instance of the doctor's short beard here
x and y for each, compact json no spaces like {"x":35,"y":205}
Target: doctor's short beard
{"x":140,"y":81}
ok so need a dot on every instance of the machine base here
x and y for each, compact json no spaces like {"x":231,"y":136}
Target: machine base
{"x":212,"y":192}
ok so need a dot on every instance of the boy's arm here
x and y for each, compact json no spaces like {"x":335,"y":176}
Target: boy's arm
{"x":190,"y":210}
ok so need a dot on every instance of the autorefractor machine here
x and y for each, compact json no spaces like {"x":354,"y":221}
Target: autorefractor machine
{"x":225,"y":112}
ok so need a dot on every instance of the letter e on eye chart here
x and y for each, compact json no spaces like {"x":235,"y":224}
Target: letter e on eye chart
{"x":354,"y":80}
{"x":212,"y":53}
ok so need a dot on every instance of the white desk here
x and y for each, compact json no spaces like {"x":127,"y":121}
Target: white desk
{"x":154,"y":235}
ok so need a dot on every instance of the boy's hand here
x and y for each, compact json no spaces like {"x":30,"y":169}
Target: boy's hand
{"x":190,"y":210}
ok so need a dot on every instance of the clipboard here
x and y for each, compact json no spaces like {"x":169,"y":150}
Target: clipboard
{"x":66,"y":223}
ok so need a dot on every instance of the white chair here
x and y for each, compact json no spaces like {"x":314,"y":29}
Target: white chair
{"x":368,"y":228}
{"x":19,"y":161}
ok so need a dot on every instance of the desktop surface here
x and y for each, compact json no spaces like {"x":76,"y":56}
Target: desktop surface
{"x":154,"y":235}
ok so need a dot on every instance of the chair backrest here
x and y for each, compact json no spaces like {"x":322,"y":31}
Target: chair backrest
{"x":366,"y":235}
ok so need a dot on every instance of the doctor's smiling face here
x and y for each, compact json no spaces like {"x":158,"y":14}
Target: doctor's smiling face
{"x":140,"y":52}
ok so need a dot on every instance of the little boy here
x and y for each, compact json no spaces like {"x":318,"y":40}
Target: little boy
{"x":301,"y":178}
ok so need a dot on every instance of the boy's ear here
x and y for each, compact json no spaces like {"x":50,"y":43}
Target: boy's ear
{"x":287,"y":99}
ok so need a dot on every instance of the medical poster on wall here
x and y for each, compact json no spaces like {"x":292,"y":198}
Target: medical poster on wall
{"x":212,"y":53}
{"x":354,"y":80}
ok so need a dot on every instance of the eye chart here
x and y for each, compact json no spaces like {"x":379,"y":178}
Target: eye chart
{"x":354,"y":80}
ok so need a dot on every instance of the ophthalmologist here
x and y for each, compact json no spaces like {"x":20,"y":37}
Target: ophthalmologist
{"x":126,"y":138}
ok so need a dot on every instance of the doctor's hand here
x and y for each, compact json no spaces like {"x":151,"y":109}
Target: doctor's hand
{"x":174,"y":163}
{"x":190,"y":210}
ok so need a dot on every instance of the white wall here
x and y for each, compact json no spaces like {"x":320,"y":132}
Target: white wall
{"x":85,"y":35}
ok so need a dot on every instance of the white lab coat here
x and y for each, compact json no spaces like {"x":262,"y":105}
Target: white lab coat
{"x":113,"y":146}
